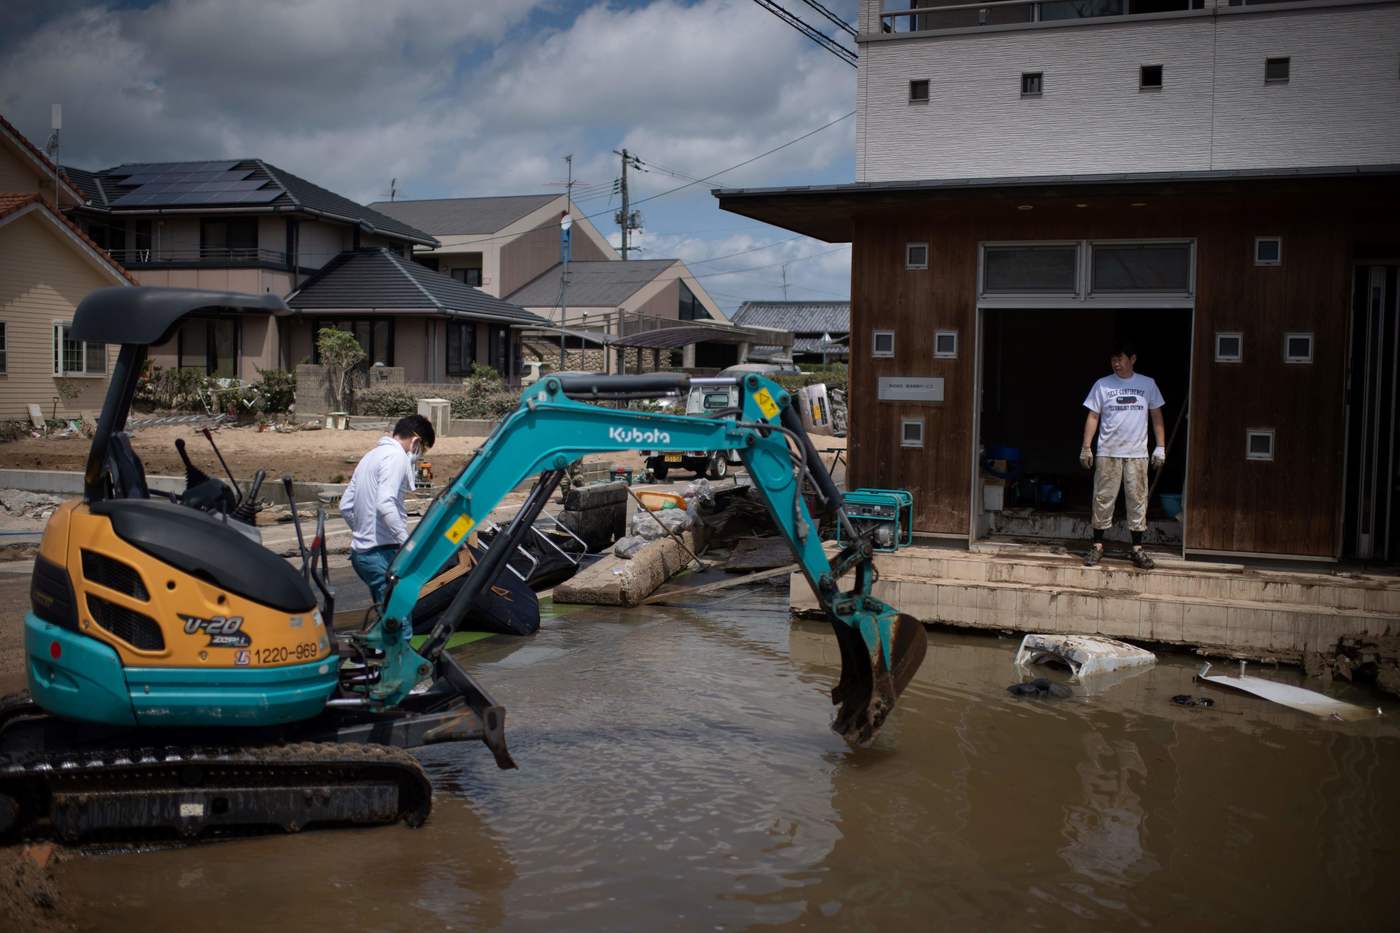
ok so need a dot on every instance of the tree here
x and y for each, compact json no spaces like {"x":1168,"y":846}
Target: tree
{"x":340,"y":353}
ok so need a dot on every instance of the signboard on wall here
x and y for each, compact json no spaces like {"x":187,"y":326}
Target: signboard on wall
{"x":911,"y":389}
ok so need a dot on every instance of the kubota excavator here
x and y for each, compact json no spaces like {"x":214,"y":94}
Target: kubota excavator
{"x":183,"y":678}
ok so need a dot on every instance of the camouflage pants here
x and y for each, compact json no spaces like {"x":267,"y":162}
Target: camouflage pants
{"x":1131,"y":474}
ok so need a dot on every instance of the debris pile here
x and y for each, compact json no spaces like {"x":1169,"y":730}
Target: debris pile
{"x":34,"y":506}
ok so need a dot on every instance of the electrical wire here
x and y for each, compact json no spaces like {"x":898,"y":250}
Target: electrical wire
{"x":810,"y":31}
{"x":835,"y":19}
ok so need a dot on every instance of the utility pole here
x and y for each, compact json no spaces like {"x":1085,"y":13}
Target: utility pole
{"x":566,"y":224}
{"x":626,"y":218}
{"x":51,"y":148}
{"x":785,"y":282}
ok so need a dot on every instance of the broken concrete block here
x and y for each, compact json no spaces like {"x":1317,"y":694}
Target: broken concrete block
{"x":1082,"y":655}
{"x":614,"y":581}
{"x":580,"y":498}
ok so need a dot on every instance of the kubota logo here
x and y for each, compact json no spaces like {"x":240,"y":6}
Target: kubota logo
{"x":635,"y":436}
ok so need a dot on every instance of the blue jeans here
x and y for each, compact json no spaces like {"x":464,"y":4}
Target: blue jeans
{"x":372,"y":566}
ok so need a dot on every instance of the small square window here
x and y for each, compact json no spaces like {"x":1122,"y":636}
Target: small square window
{"x":1297,"y":348}
{"x":918,"y":91}
{"x":945,"y":344}
{"x":911,"y":432}
{"x":882,"y":344}
{"x":916,"y":255}
{"x":1276,"y":70}
{"x":1268,"y":251}
{"x":1259,"y":444}
{"x":1032,"y":83}
{"x":1150,"y":78}
{"x":1229,"y":347}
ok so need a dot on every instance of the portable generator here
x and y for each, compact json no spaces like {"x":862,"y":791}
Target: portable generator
{"x":889,"y":511}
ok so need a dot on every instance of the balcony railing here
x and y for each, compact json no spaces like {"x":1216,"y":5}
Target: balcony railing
{"x":208,"y":256}
{"x":933,"y":15}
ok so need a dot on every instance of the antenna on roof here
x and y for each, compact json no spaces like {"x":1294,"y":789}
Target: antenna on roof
{"x":51,"y":147}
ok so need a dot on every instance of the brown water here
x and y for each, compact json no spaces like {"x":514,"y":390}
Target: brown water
{"x":676,"y":772}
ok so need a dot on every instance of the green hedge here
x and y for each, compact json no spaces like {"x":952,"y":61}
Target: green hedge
{"x":190,"y":390}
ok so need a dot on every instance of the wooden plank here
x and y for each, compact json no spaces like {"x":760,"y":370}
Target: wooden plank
{"x":718,"y":585}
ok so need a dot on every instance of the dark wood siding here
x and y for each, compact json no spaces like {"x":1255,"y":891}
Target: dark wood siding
{"x":1289,"y":506}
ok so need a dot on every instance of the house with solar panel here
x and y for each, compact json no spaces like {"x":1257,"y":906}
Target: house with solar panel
{"x":234,"y":224}
{"x":607,"y":313}
{"x":820,"y":330}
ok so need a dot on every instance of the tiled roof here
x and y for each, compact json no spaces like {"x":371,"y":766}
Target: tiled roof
{"x":592,"y":284}
{"x":800,"y":317}
{"x":380,"y":280}
{"x":464,"y":216}
{"x":8,"y":129}
{"x":268,"y":188}
{"x":13,"y":201}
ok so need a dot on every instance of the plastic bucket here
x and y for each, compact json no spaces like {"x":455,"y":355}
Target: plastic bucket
{"x":1171,"y":504}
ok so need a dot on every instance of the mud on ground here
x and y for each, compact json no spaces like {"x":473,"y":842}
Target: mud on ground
{"x":29,"y":898}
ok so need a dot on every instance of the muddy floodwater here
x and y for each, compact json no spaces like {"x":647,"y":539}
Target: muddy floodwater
{"x":677,"y":772}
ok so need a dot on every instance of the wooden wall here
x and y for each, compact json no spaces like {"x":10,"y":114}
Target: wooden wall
{"x":1290,"y":506}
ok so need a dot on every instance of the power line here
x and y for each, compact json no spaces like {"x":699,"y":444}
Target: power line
{"x":833,"y":17}
{"x":811,"y":32}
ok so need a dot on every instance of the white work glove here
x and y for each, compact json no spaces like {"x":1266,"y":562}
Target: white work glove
{"x":1086,"y":458}
{"x":1159,"y":457}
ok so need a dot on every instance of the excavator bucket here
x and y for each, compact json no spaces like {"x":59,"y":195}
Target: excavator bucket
{"x":869,"y":688}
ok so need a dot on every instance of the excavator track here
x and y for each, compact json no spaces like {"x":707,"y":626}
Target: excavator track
{"x":185,"y":792}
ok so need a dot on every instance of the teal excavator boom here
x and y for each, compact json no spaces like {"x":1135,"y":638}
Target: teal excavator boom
{"x":556,"y":425}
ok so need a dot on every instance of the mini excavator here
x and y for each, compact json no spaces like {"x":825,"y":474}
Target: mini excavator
{"x":184,"y":679}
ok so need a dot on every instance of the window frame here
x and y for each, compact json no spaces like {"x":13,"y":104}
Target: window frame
{"x":391,"y":337}
{"x":914,"y":82}
{"x":1249,"y":454}
{"x":447,"y":348}
{"x":945,"y":355}
{"x":464,"y":270}
{"x":1288,"y":356}
{"x":1082,"y":295}
{"x":1268,"y":263}
{"x":1161,"y":78}
{"x":85,"y":346}
{"x":1075,"y":291}
{"x":909,"y":264}
{"x":1238,"y":335}
{"x":1039,"y":78}
{"x":1088,"y":272}
{"x":1287,"y":61}
{"x":906,"y":422}
{"x":875,"y":351}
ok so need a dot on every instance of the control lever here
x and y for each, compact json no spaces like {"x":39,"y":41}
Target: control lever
{"x":209,"y":436}
{"x":296,"y":523}
{"x":247,"y":510}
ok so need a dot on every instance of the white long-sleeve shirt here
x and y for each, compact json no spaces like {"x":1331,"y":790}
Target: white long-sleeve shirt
{"x":372,"y":504}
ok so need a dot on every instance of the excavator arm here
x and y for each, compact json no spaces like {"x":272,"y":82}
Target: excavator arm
{"x":556,"y":425}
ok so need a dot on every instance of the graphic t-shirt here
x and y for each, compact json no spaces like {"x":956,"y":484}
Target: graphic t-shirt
{"x":1122,"y":406}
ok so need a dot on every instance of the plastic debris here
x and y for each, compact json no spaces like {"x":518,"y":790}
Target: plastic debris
{"x":1307,"y":701}
{"x":1081,"y":655}
{"x":628,"y":546}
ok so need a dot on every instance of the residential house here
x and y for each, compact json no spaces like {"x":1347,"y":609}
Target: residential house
{"x":47,"y":266}
{"x":1215,"y":181}
{"x":510,"y":247}
{"x":820,"y":329}
{"x":236,"y":225}
{"x":427,"y":325}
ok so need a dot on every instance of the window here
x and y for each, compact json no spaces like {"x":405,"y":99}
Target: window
{"x":1032,"y":83}
{"x":916,"y":255}
{"x":882,"y":343}
{"x":75,"y":357}
{"x":4,"y":350}
{"x":1150,"y":78}
{"x":461,"y":347}
{"x":1229,"y":347}
{"x":498,"y":350}
{"x":1142,"y":267}
{"x":945,"y":344}
{"x":1259,"y":444}
{"x":911,"y":432}
{"x":1297,"y":348}
{"x":1268,"y":251}
{"x":918,"y":91}
{"x":1020,"y":269}
{"x":376,"y":336}
{"x":208,"y":346}
{"x":470,"y":277}
{"x":690,"y":307}
{"x":1276,"y":70}
{"x":234,"y":238}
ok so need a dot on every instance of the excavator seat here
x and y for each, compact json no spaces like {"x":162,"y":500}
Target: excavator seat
{"x":202,"y":546}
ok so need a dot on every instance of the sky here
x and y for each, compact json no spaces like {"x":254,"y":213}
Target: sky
{"x":457,"y":98}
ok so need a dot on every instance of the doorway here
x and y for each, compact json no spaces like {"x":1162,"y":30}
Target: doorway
{"x":1370,"y":525}
{"x":1035,"y":368}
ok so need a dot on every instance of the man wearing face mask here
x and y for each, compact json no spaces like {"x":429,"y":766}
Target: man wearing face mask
{"x":373,"y":501}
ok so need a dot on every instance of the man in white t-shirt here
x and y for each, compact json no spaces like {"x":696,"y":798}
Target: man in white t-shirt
{"x":1119,"y":408}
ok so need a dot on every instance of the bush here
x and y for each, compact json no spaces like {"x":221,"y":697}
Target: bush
{"x":385,"y":402}
{"x":279,"y":390}
{"x":190,"y":390}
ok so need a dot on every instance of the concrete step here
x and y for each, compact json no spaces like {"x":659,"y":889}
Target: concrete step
{"x":1172,"y":578}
